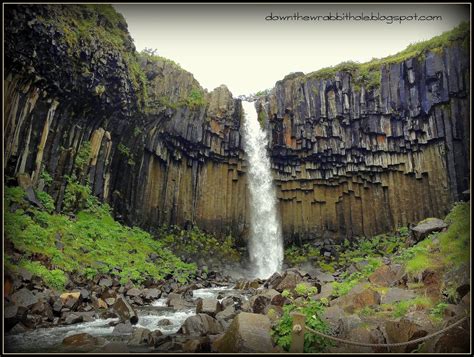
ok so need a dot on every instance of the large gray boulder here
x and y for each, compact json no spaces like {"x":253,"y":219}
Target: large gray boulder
{"x":201,"y":325}
{"x":427,"y":226}
{"x":208,"y":306}
{"x":248,"y":333}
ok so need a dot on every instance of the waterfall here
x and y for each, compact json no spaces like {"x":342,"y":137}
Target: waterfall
{"x":265,"y":243}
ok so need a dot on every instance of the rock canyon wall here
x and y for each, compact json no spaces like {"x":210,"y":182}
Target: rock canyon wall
{"x":348,"y":159}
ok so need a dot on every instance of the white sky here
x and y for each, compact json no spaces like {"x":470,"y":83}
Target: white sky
{"x":234,"y":45}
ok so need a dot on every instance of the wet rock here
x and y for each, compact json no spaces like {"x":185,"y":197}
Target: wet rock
{"x":82,"y":342}
{"x":248,"y":333}
{"x":201,"y":325}
{"x":273,"y":281}
{"x":427,"y":226}
{"x":208,"y":306}
{"x":124,"y":328}
{"x":125,"y":311}
{"x":177,"y":302}
{"x":115,"y":347}
{"x":24,"y":297}
{"x":197,"y":345}
{"x":143,"y":336}
{"x":70,"y":318}
{"x":164,"y":322}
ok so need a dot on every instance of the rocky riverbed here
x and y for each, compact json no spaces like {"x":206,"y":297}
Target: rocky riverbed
{"x":217,"y":315}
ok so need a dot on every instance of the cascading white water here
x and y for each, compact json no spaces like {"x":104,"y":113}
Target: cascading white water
{"x":266,"y":243}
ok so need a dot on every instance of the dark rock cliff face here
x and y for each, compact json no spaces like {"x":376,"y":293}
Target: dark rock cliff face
{"x":159,"y":159}
{"x":351,"y":161}
{"x":347,"y":160}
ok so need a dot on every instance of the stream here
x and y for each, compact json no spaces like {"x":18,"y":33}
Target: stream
{"x":50,"y":339}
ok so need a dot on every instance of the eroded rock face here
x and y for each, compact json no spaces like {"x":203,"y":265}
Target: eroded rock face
{"x":356,"y":160}
{"x":380,"y":157}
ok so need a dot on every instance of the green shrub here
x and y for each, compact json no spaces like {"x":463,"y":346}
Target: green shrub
{"x":313,"y":310}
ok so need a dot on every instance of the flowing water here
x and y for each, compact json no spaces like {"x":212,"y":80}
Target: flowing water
{"x":43,"y":340}
{"x":266,"y":243}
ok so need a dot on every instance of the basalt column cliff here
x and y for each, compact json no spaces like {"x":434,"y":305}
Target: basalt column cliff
{"x":141,"y":130}
{"x":355,"y":150}
{"x":359,"y":153}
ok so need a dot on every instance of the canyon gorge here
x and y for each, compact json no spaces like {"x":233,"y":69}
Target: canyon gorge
{"x":349,"y":158}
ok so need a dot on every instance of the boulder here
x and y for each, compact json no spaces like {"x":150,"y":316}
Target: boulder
{"x":365,"y":334}
{"x":201,"y":325}
{"x":455,"y":340}
{"x":208,"y":306}
{"x":394,"y":295}
{"x":357,"y":298}
{"x":387,"y":275}
{"x":134,"y":292}
{"x":82,"y":342}
{"x":71,"y":300}
{"x":226,"y":314}
{"x":123,"y":328}
{"x":125,"y":311}
{"x":164,"y":322}
{"x":248,"y":333}
{"x":105,"y":282}
{"x":43,"y":309}
{"x":258,"y":303}
{"x":70,"y":318}
{"x":115,"y":347}
{"x":289,"y":281}
{"x":143,"y":336}
{"x":151,"y":294}
{"x":273,"y":280}
{"x":325,"y":293}
{"x":24,"y":297}
{"x":411,"y":327}
{"x":177,"y":302}
{"x":427,"y":226}
{"x":197,"y":345}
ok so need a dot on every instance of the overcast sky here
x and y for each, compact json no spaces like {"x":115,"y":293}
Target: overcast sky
{"x":235,"y":45}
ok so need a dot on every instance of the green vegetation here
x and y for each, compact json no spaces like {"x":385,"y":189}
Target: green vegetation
{"x":92,"y":243}
{"x":437,"y":311}
{"x":82,"y":158}
{"x":125,"y":151}
{"x":401,"y":308}
{"x":262,"y":93}
{"x":450,"y":248}
{"x":313,"y":310}
{"x":81,"y":25}
{"x":45,"y":176}
{"x":369,"y":74}
{"x":195,"y":99}
{"x":195,"y":244}
{"x":350,"y":280}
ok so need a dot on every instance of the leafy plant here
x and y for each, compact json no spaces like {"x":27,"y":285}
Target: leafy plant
{"x":313,"y":311}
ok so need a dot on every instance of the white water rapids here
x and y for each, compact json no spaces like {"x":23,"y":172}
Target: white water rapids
{"x":265,"y":243}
